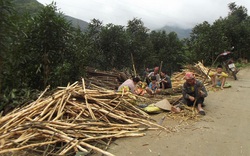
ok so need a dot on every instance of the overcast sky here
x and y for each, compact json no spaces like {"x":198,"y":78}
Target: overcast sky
{"x":154,"y":13}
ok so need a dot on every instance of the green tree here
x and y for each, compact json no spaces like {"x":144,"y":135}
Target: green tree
{"x":208,"y":41}
{"x":114,"y":46}
{"x":80,"y":59}
{"x":167,"y":48}
{"x":201,"y":42}
{"x":12,"y":32}
{"x":174,"y":55}
{"x":220,"y":41}
{"x":139,"y":42}
{"x":93,"y":46}
{"x":236,"y":29}
{"x":244,"y":42}
{"x":6,"y":28}
{"x":158,"y":40}
{"x":48,"y":54}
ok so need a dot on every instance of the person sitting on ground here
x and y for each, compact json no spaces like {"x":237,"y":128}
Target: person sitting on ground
{"x":194,"y":92}
{"x":154,"y":73}
{"x":153,"y":87}
{"x":129,"y":85}
{"x":218,"y":77}
{"x":165,"y":82}
{"x":145,"y":73}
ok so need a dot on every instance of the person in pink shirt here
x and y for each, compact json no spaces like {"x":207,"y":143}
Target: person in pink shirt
{"x":129,"y":84}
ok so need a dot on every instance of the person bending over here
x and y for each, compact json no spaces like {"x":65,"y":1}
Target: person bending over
{"x":129,"y":85}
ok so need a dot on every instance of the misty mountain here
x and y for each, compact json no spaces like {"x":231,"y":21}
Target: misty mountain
{"x":27,"y":6}
{"x":182,"y":33}
{"x":33,"y":7}
{"x":77,"y":22}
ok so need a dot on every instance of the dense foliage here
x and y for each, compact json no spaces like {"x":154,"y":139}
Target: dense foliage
{"x":49,"y":52}
{"x":207,"y":41}
{"x":45,"y":49}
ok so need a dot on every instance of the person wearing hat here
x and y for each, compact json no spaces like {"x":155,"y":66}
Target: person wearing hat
{"x":194,"y":92}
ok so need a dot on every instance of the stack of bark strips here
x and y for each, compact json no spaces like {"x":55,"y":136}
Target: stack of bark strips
{"x":198,"y":69}
{"x":73,"y":119}
{"x":106,"y":79}
{"x":204,"y":71}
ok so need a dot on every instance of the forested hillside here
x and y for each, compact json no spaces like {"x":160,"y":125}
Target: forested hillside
{"x":32,"y":7}
{"x":44,"y":49}
{"x":27,"y":6}
{"x":181,"y":33}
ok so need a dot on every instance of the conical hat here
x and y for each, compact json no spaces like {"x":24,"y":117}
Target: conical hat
{"x":164,"y":104}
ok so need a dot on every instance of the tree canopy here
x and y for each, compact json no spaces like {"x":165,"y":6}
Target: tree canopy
{"x":45,"y":49}
{"x":209,"y":40}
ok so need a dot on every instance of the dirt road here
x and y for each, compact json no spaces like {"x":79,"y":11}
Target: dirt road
{"x":224,"y":131}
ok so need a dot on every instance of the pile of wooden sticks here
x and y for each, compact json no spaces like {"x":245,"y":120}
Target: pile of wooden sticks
{"x":73,"y":119}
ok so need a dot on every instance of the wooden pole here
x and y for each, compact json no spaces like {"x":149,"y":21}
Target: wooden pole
{"x":160,"y":67}
{"x":133,"y":64}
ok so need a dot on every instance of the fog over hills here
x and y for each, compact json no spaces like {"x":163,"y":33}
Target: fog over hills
{"x":33,"y":6}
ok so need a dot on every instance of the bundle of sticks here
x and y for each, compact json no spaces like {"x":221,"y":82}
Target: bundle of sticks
{"x":107,"y":79}
{"x":198,"y":69}
{"x":203,"y":70}
{"x":73,"y":119}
